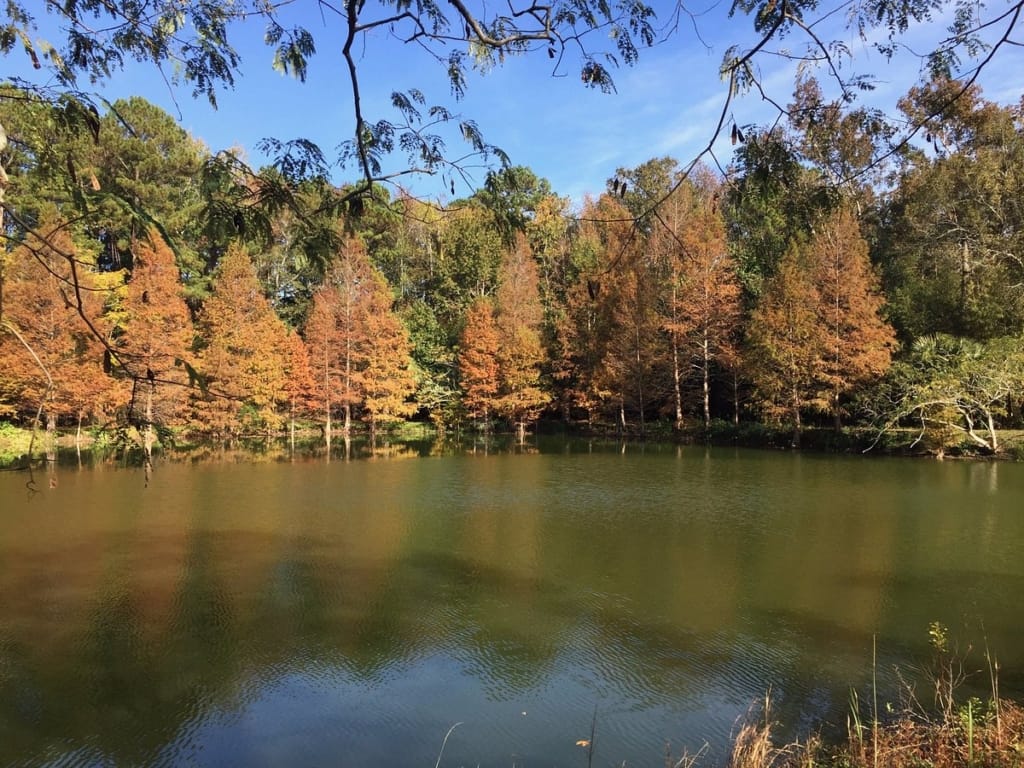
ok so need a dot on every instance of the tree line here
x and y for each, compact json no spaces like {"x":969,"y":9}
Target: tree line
{"x":150,"y":283}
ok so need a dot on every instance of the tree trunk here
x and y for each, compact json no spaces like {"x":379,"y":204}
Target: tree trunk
{"x":706,"y":379}
{"x":796,"y":419}
{"x":51,"y":436}
{"x":735,"y":399}
{"x":965,"y":271}
{"x":327,"y":401}
{"x":640,"y":384}
{"x":521,"y":432}
{"x":147,"y":434}
{"x":348,"y":378}
{"x":676,"y":377}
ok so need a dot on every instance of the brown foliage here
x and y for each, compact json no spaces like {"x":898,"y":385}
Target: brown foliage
{"x":56,"y":345}
{"x":817,"y":332}
{"x":518,"y":316}
{"x":786,"y":339}
{"x":359,"y":350}
{"x":388,"y":381}
{"x":908,"y":741}
{"x":245,"y":359}
{"x":703,"y":306}
{"x":860,"y":343}
{"x":156,"y":334}
{"x":299,"y":386}
{"x":626,"y":322}
{"x":478,"y":361}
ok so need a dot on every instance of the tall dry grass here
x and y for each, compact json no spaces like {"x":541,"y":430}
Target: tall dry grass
{"x":969,"y":736}
{"x":906,"y":741}
{"x":946,"y":733}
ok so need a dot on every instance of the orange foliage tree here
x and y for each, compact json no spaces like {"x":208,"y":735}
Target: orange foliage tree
{"x":387,"y":375}
{"x":359,"y":349}
{"x":786,"y":340}
{"x":478,"y":361}
{"x":634,"y":351}
{"x":154,"y":337}
{"x":335,"y":333}
{"x":299,"y":386}
{"x":518,"y":316}
{"x":321,"y":338}
{"x":703,"y":297}
{"x":860,"y":343}
{"x":580,"y":323}
{"x":817,"y":332}
{"x":50,"y":360}
{"x":245,"y":355}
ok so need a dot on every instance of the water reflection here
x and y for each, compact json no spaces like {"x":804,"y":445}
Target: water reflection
{"x":295,"y":611}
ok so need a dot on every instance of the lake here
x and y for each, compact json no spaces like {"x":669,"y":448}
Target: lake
{"x":318,"y":613}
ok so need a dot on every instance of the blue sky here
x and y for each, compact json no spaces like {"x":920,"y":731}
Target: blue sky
{"x":667,"y":104}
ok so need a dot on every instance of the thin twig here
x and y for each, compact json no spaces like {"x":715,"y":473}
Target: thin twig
{"x":438,"y":763}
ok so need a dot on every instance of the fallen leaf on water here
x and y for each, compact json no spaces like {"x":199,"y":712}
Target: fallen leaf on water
{"x":583,"y":743}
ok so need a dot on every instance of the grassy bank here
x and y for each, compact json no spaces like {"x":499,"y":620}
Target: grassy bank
{"x":14,"y":442}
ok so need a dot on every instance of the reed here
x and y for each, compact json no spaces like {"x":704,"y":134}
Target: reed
{"x":948,"y":733}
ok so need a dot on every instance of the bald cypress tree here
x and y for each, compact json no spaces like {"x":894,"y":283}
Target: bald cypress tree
{"x":520,"y":353}
{"x":859,"y":341}
{"x":156,"y":337}
{"x":478,"y":362}
{"x":245,"y":353}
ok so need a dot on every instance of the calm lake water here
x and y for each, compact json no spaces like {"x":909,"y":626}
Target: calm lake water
{"x":315,"y":613}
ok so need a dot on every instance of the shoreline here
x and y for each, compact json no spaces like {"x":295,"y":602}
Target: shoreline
{"x":14,"y":441}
